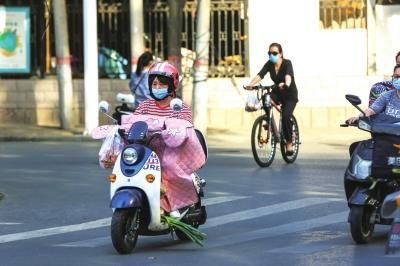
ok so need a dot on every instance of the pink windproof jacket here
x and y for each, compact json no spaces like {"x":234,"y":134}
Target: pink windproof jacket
{"x":180,"y":152}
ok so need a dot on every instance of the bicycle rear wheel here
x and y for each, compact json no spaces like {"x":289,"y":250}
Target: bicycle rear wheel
{"x":263,"y":143}
{"x":295,"y":141}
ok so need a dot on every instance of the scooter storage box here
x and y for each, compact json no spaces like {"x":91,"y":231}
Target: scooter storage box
{"x":386,"y":156}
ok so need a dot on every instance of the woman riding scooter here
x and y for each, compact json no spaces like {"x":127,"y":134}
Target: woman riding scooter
{"x":388,"y":102}
{"x":372,"y":171}
{"x":179,"y":190}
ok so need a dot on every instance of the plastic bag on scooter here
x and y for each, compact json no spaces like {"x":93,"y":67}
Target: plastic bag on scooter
{"x":110,"y":149}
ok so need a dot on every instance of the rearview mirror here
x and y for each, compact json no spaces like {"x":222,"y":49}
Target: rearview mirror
{"x":176,"y":105}
{"x":103,"y":107}
{"x":353,"y":99}
{"x":125,"y":98}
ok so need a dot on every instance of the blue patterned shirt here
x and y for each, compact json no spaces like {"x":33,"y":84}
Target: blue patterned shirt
{"x":377,"y":89}
{"x":388,"y":102}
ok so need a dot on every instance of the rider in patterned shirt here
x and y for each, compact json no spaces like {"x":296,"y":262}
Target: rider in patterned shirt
{"x":377,"y":89}
{"x":163,"y":81}
{"x":388,"y":102}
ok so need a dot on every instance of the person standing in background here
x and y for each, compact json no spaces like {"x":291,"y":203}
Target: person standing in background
{"x":139,"y":83}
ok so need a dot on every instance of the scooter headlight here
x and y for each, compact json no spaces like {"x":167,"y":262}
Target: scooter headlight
{"x":130,"y":156}
{"x":360,"y":168}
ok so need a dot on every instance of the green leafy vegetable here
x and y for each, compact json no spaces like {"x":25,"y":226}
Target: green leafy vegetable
{"x":194,"y":234}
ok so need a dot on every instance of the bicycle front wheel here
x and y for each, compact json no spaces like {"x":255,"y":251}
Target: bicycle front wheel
{"x":295,"y":141}
{"x":263,"y":142}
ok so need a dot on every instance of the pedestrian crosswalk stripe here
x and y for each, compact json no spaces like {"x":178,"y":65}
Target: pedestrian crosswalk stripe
{"x":265,"y":210}
{"x":89,"y":225}
{"x":88,"y":243}
{"x":211,"y":222}
{"x":218,"y":200}
{"x":225,"y":219}
{"x":54,"y":230}
{"x":284,"y":229}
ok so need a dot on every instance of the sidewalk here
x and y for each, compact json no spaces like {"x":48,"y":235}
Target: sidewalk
{"x":216,"y":138}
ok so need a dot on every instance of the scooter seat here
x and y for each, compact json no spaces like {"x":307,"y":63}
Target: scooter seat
{"x":202,"y":141}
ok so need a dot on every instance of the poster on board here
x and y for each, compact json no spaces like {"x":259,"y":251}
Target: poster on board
{"x":15,"y":40}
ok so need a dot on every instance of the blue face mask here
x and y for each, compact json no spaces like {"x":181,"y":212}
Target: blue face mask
{"x":396,"y":84}
{"x":160,"y":94}
{"x":273,"y":58}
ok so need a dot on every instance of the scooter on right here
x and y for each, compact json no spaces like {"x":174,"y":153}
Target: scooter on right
{"x":373,"y":172}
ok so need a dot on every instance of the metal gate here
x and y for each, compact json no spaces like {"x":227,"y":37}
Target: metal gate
{"x":227,"y":33}
{"x":227,"y":55}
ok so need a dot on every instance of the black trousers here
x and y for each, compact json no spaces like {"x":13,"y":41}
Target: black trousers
{"x":287,"y":108}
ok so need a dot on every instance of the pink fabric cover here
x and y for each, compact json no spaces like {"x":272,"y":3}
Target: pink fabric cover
{"x":101,"y":132}
{"x":180,"y":152}
{"x":182,"y":156}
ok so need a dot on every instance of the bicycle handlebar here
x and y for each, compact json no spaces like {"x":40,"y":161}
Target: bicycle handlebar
{"x":260,"y":87}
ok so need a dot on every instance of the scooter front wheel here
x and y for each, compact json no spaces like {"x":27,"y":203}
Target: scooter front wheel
{"x":360,"y":224}
{"x":124,"y":229}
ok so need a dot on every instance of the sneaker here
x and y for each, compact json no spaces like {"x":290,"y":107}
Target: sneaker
{"x":175,"y":214}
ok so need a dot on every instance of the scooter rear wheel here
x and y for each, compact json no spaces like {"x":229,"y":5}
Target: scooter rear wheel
{"x":124,"y":229}
{"x":360,"y":226}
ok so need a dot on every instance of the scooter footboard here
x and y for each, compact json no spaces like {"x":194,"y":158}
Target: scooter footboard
{"x":127,"y":198}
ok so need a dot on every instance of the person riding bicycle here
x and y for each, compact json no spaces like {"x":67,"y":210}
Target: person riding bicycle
{"x":285,"y":92}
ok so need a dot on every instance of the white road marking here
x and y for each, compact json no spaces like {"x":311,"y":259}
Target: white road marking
{"x":212,"y":222}
{"x":305,"y":248}
{"x":10,"y":156}
{"x":9,"y":223}
{"x":266,"y":210}
{"x":89,"y":225}
{"x":284,"y":229}
{"x":55,"y":230}
{"x":218,"y":200}
{"x":88,"y":243}
{"x":229,"y":218}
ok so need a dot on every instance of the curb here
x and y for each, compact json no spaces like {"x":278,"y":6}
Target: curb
{"x":79,"y":138}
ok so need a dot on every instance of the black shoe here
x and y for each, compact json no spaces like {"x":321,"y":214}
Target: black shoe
{"x":289,"y":153}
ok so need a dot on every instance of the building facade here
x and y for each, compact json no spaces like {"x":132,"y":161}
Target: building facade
{"x":335,"y":50}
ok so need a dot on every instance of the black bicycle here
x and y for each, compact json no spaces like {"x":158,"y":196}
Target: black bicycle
{"x":265,"y":134}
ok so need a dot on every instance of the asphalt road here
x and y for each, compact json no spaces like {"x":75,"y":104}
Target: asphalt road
{"x":56,"y":211}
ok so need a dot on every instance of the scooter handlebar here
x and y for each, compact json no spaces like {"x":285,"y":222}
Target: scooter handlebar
{"x":347,"y":124}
